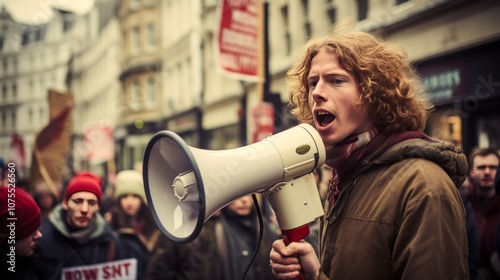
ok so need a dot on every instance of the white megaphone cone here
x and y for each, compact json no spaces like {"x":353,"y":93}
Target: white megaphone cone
{"x":185,"y":185}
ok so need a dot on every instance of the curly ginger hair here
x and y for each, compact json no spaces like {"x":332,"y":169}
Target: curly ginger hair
{"x":387,"y":81}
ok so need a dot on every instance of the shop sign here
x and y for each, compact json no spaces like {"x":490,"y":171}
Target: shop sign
{"x":440,"y":85}
{"x":444,"y":80}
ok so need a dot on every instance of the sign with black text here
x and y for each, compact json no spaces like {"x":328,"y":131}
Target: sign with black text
{"x":116,"y":270}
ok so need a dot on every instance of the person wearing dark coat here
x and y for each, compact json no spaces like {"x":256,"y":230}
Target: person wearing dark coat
{"x":225,"y":251}
{"x":20,"y":220}
{"x":173,"y":261}
{"x":75,"y":234}
{"x":485,"y":212}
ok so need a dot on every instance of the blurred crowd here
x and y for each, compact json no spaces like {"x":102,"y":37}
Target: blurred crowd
{"x":86,"y":231}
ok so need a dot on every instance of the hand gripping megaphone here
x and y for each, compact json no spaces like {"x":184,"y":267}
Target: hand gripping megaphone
{"x":185,"y":186}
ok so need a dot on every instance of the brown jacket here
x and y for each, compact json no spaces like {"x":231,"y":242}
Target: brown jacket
{"x":402,"y":217}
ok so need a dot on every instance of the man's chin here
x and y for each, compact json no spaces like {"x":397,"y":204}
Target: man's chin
{"x":81,"y":225}
{"x":486,"y":187}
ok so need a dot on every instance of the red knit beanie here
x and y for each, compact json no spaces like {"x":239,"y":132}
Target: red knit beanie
{"x":19,"y":213}
{"x":84,"y":181}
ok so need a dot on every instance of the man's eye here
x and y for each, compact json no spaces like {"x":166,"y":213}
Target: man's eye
{"x":312,"y":84}
{"x":483,"y":167}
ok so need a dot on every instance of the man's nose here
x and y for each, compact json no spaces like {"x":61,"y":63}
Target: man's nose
{"x":85,"y":207}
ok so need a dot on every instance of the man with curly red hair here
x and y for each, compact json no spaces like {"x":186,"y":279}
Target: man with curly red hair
{"x":393,"y":209}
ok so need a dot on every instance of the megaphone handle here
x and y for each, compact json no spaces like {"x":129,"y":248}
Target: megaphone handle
{"x":295,"y":235}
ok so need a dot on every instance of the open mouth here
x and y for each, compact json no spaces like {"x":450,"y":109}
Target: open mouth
{"x":324,"y":118}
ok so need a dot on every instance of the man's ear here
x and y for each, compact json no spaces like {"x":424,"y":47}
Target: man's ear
{"x":64,"y":204}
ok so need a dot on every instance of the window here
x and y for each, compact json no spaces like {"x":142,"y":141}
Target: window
{"x":150,"y":36}
{"x":13,"y":119}
{"x":362,"y":9}
{"x":135,"y":40}
{"x":42,"y":83}
{"x":135,"y":96}
{"x":4,"y":92}
{"x":4,"y":120}
{"x":307,"y":23}
{"x":30,"y":116}
{"x":288,"y":37}
{"x":14,"y":91}
{"x":32,"y":87}
{"x":151,"y":93}
{"x":401,"y":1}
{"x":41,"y":113}
{"x":331,"y":12}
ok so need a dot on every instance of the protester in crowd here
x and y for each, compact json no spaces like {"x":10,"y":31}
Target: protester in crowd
{"x":170,"y":260}
{"x":473,"y":240}
{"x":235,"y":231}
{"x":131,"y":218}
{"x":19,"y":233}
{"x":3,"y":173}
{"x":393,"y":209}
{"x":484,"y":206}
{"x":75,"y":233}
{"x":46,"y":200}
{"x":497,"y":190}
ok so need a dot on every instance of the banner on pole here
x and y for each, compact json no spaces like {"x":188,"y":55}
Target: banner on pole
{"x":52,"y":144}
{"x":238,"y":39}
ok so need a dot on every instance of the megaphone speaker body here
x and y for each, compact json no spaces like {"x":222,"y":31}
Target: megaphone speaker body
{"x":185,"y":186}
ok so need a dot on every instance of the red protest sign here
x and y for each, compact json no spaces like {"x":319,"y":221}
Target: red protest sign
{"x":238,"y":38}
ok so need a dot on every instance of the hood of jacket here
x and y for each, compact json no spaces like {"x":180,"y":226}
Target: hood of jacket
{"x":447,"y":156}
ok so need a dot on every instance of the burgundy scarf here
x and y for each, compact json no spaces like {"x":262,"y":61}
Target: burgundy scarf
{"x":344,"y":156}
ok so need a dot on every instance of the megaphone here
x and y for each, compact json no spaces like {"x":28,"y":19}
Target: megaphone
{"x":185,"y":186}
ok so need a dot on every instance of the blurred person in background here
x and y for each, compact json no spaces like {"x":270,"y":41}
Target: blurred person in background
{"x":173,"y":261}
{"x":19,"y":234}
{"x":75,"y":234}
{"x":46,"y":200}
{"x":225,"y":251}
{"x":132,"y":219}
{"x":485,"y":206}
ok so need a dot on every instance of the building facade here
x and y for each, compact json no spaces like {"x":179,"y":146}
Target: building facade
{"x":92,"y":77}
{"x":153,"y":66}
{"x":453,"y":45}
{"x":34,"y":60}
{"x":140,"y":73}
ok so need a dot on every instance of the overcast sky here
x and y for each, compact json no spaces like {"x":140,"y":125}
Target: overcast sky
{"x":39,"y":11}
